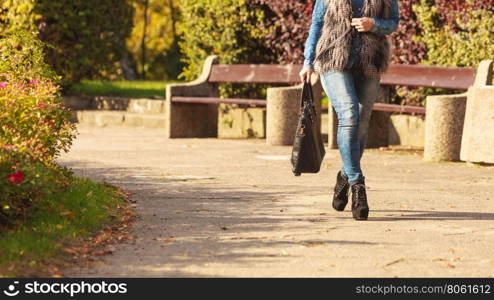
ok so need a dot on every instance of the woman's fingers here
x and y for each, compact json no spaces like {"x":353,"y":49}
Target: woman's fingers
{"x":363,"y":24}
{"x":308,"y":75}
{"x":305,"y":74}
{"x":358,"y":24}
{"x":302,"y":76}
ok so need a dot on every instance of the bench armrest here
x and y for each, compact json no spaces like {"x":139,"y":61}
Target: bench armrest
{"x":484,"y":74}
{"x":199,"y":87}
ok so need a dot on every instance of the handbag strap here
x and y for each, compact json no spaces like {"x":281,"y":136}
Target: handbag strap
{"x":308,"y":96}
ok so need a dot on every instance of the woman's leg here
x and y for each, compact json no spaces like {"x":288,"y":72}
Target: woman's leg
{"x":367,"y":93}
{"x":366,"y":90}
{"x":341,"y":88}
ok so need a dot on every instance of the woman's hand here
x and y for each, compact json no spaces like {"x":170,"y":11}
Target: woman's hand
{"x":306,"y":74}
{"x":363,"y":24}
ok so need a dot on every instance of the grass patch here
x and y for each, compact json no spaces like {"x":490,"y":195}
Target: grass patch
{"x":124,"y":88}
{"x":60,"y":219}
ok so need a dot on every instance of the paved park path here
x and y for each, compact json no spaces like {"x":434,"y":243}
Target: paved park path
{"x":216,"y":208}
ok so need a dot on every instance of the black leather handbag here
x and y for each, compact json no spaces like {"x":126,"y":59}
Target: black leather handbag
{"x":308,"y":148}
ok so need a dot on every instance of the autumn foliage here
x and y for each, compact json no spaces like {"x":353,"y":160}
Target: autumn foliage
{"x":287,"y":23}
{"x":35,"y":127}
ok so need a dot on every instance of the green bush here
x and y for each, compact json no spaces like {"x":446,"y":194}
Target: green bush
{"x":87,"y":36}
{"x":229,"y":29}
{"x":35,"y":126}
{"x":464,"y":44}
{"x":453,"y":33}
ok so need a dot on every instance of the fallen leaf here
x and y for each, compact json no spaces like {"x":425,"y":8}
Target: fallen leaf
{"x":394,"y":262}
{"x":439,"y":259}
{"x":450,"y":266}
{"x":100,"y":252}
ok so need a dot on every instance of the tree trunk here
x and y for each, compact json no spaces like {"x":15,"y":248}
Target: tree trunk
{"x":143,"y":42}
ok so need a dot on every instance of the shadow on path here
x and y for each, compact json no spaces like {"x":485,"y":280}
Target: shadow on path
{"x":184,"y":223}
{"x":419,"y":215}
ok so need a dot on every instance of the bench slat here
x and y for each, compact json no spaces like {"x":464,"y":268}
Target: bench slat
{"x":243,"y":73}
{"x":429,"y":76}
{"x":399,"y":108}
{"x":403,"y":75}
{"x":262,"y":103}
{"x":210,"y":100}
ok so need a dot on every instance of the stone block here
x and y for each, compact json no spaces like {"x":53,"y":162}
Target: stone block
{"x":134,"y":120}
{"x":378,"y":130}
{"x":78,"y":102}
{"x":477,"y":144}
{"x":113,"y":118}
{"x":144,"y":120}
{"x":100,"y":118}
{"x":110,"y":103}
{"x":406,"y":130}
{"x":148,"y":106}
{"x":85,"y":116}
{"x":192,"y":120}
{"x":241,"y":122}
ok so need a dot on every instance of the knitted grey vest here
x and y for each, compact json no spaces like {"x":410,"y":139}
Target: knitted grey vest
{"x":333,"y":47}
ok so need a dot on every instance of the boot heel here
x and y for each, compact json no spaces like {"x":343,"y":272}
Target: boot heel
{"x":341,"y":191}
{"x":361,"y":214}
{"x":360,"y":208}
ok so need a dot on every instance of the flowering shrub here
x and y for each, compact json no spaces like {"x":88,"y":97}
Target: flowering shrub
{"x":35,"y":127}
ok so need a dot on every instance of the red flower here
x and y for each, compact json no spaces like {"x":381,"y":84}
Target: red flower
{"x":3,"y":84}
{"x":33,"y":82}
{"x":16,"y":177}
{"x":7,"y":147}
{"x":41,"y":105}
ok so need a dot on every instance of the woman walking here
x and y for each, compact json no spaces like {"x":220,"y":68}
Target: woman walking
{"x":347,"y":47}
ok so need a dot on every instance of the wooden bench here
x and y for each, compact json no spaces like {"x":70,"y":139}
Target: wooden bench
{"x":381,"y":131}
{"x":424,"y":76}
{"x":192,"y":108}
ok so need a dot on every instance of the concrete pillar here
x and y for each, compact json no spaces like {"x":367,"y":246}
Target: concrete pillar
{"x":444,"y":127}
{"x":478,"y":132}
{"x":283,"y":106}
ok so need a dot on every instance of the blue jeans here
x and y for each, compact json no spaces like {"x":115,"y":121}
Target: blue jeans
{"x":352,"y":96}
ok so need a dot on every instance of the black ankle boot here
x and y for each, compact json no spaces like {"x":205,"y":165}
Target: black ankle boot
{"x":360,"y":208}
{"x":340,"y":197}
